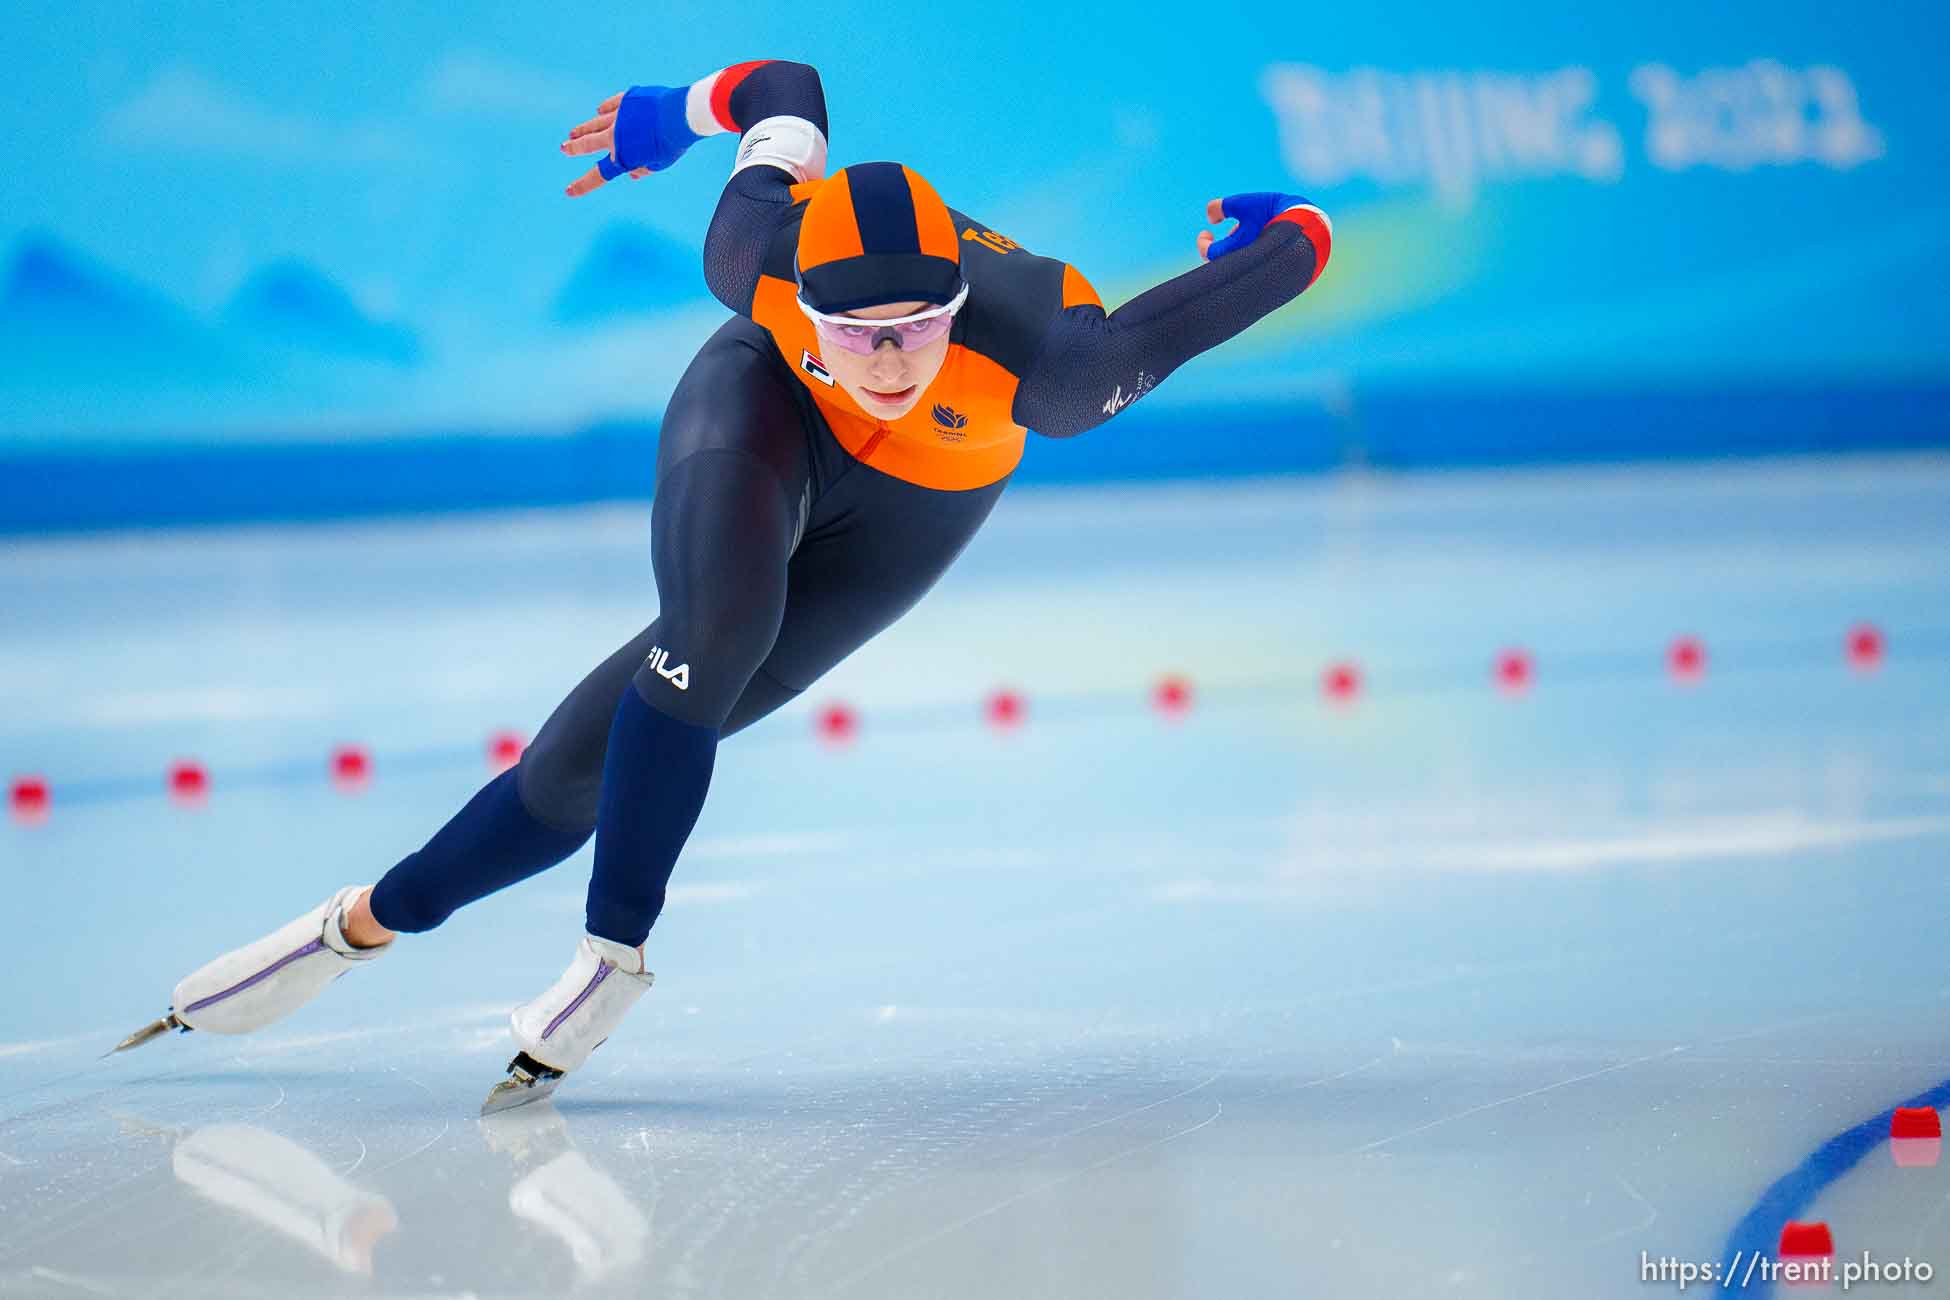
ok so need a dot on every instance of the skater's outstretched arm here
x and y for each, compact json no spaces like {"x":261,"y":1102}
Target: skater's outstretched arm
{"x":1091,"y":365}
{"x":779,"y":110}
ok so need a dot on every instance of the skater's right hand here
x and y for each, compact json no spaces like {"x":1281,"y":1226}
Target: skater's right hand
{"x":642,"y":130}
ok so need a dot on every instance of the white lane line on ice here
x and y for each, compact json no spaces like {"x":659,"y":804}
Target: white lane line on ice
{"x":201,"y":704}
{"x":1765,"y":836}
{"x":1684,"y":843}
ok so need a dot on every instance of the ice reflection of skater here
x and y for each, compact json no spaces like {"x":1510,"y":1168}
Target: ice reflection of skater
{"x":826,"y":456}
{"x":284,"y":1186}
{"x":559,"y":1190}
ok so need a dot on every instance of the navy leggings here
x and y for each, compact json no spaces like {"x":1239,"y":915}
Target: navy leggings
{"x":776,"y":555}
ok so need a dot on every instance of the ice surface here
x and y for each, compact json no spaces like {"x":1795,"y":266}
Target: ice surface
{"x":1444,"y":993}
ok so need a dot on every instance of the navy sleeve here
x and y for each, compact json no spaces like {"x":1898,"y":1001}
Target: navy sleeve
{"x":756,"y":197}
{"x":1089,"y":365}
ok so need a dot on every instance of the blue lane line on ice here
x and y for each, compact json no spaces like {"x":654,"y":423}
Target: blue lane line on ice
{"x":1759,"y":1233}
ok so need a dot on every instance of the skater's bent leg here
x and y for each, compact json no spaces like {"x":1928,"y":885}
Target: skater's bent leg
{"x":488,"y":845}
{"x":840,"y":589}
{"x":525,"y":822}
{"x":722,"y":529}
{"x":732,"y":446}
{"x":654,"y":783}
{"x":562,"y":769}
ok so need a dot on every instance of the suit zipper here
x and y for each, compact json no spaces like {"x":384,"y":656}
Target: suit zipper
{"x":873,"y":444}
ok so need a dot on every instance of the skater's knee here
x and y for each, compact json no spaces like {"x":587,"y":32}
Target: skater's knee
{"x":559,"y":791}
{"x":706,"y":659}
{"x":763,"y":694}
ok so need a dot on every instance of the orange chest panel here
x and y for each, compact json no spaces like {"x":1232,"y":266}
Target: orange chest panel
{"x":958,"y":436}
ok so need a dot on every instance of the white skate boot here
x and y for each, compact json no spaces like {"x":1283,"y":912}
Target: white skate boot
{"x":267,"y":980}
{"x":557,"y":1031}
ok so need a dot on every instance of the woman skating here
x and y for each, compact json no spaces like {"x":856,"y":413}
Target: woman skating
{"x":826,"y":456}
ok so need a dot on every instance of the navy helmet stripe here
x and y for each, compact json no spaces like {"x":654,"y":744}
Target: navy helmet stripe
{"x":855,"y":282}
{"x":883,"y":208}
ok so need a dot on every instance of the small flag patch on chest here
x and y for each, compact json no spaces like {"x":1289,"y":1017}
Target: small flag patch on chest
{"x":810,"y":364}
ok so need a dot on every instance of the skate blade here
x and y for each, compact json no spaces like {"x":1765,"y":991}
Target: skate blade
{"x":528,"y":1080}
{"x":510,"y":1093}
{"x":154,"y":1029}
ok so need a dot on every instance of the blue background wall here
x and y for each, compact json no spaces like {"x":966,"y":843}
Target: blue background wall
{"x":296,"y":263}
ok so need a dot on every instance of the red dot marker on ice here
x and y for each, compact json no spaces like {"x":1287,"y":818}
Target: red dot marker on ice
{"x":1514,"y":671}
{"x":837,"y":724}
{"x":1805,"y":1241}
{"x":28,"y":799}
{"x":351,"y":768}
{"x":1341,"y":682}
{"x":1686,"y":660}
{"x":1916,"y":1137}
{"x":1005,"y":710}
{"x":1865,"y":647}
{"x":504,"y":750}
{"x":189,"y":781}
{"x":1172,"y":696}
{"x":1915,"y":1122}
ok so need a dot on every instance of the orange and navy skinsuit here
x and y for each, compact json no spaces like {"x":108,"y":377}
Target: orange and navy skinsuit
{"x":788,"y":526}
{"x":1033,"y":348}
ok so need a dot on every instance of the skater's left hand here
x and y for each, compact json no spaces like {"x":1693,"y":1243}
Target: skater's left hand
{"x":1251,"y":211}
{"x":641,"y":129}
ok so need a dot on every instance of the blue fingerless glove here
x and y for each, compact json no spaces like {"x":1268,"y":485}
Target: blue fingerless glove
{"x":1252,"y":212}
{"x":651,"y":131}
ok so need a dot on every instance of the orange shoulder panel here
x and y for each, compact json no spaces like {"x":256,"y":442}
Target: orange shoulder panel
{"x":775,"y":306}
{"x":1077,"y":291}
